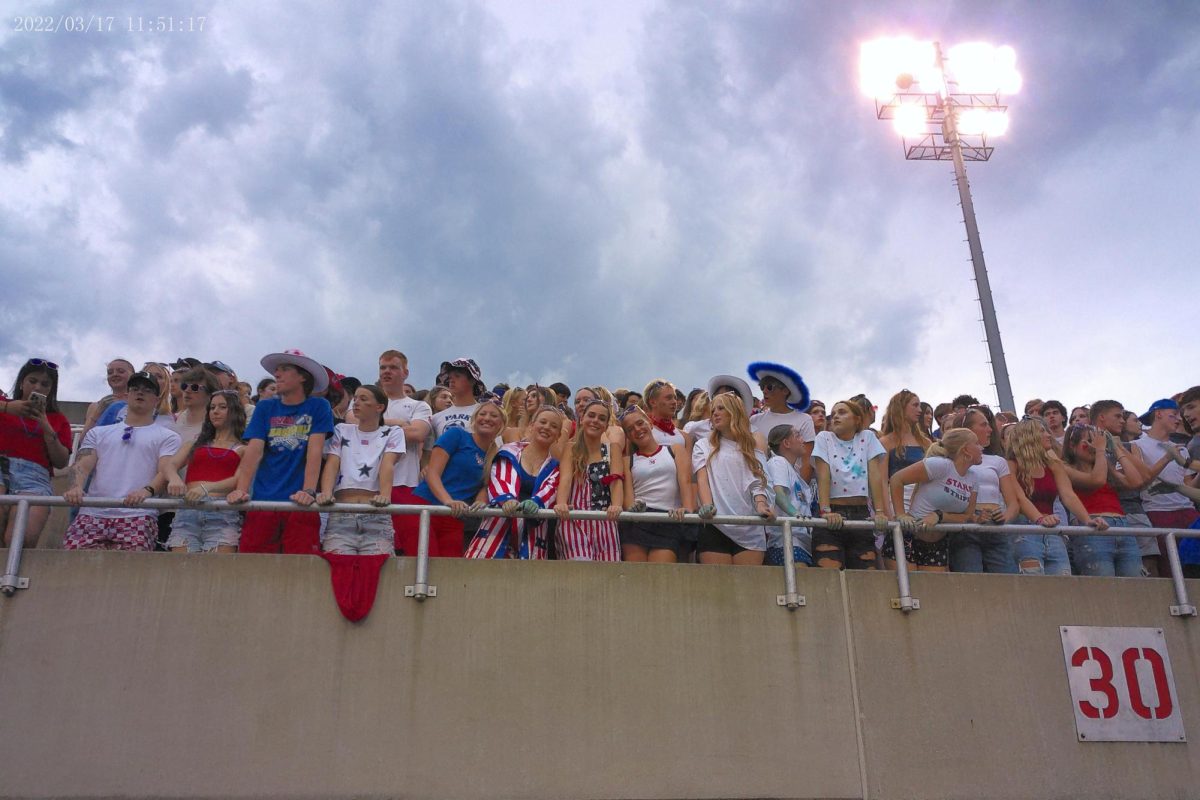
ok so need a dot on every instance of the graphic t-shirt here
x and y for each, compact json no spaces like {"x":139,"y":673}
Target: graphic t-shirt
{"x":781,"y":473}
{"x":285,"y":430}
{"x":463,"y":475}
{"x":453,"y":417}
{"x":946,"y":490}
{"x":847,"y":461}
{"x":361,"y":453}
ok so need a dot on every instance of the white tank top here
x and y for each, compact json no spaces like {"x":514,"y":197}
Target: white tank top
{"x":655,"y":480}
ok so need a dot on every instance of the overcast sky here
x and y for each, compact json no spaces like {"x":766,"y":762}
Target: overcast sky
{"x":596,"y":192}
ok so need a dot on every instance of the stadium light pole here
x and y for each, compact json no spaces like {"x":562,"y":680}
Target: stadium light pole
{"x":949,"y":115}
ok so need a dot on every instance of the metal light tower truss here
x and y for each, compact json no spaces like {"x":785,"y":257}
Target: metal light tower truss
{"x":933,"y":145}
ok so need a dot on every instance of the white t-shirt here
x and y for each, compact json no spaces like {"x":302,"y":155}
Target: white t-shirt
{"x":664,"y":438}
{"x":781,"y":473}
{"x":1152,"y":452}
{"x":765,"y":421}
{"x":655,"y":479}
{"x":361,"y":453}
{"x":848,"y":461}
{"x":125,"y":465}
{"x":946,"y":490}
{"x":408,"y":466}
{"x":453,"y":417}
{"x":698,"y":428}
{"x":991,"y":471}
{"x":733,"y":488}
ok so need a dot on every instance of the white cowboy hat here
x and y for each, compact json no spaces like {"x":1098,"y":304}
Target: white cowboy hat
{"x":743,"y":389}
{"x":297,"y":359}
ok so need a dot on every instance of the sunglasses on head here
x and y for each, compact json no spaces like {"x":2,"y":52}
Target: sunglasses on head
{"x":41,"y":362}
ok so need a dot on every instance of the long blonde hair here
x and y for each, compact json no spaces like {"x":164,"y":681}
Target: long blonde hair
{"x":1027,"y":451}
{"x":493,"y":448}
{"x":739,"y":432}
{"x":513,"y":405}
{"x":894,"y":422}
{"x":579,"y":450}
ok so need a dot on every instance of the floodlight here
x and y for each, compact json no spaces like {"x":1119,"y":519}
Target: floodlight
{"x":910,"y":120}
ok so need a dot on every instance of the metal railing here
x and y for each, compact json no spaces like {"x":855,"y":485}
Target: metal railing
{"x":421,"y":589}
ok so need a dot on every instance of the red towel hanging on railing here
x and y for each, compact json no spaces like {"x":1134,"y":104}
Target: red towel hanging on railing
{"x":355,"y":580}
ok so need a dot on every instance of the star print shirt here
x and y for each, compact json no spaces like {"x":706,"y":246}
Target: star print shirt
{"x":847,"y":461}
{"x":361,"y":452}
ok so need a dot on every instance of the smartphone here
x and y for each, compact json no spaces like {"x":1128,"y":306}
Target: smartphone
{"x":37,"y":400}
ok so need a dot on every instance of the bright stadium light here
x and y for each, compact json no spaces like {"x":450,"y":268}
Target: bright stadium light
{"x":947,"y":108}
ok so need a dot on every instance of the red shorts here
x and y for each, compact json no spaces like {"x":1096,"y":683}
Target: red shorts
{"x":1183,"y":518}
{"x":445,"y":532}
{"x":111,"y":533}
{"x":293,"y":532}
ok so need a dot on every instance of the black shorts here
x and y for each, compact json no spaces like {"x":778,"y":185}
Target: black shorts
{"x":712,"y":540}
{"x":654,"y":535}
{"x":849,"y":546}
{"x":917,"y":552}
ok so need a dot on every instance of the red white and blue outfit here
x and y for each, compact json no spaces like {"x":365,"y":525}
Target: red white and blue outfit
{"x":516,"y":537}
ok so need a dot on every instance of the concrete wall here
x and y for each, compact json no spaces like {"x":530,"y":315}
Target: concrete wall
{"x":235,"y":676}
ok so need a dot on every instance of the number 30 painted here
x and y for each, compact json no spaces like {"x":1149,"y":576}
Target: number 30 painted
{"x":1103,"y":683}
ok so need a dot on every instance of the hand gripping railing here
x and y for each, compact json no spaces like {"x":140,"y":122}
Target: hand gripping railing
{"x":421,"y":589}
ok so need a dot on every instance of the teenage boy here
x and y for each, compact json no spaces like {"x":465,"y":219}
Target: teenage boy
{"x":1054,"y":414}
{"x":282,"y":460}
{"x":1109,"y":417}
{"x":128,"y":459}
{"x":1166,"y":509}
{"x":411,"y":414}
{"x":784,"y":398}
{"x":462,"y":377}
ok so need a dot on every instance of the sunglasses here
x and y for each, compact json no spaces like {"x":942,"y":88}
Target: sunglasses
{"x":41,"y":362}
{"x":128,"y":434}
{"x":193,"y":387}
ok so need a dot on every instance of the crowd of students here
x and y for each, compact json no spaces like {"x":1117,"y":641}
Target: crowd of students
{"x":307,"y":435}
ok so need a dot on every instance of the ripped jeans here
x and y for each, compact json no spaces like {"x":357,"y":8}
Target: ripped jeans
{"x":1041,"y":554}
{"x":1109,"y":556}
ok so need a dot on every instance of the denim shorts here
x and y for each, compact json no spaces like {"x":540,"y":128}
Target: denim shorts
{"x":201,"y":531}
{"x":359,"y":534}
{"x":27,"y":477}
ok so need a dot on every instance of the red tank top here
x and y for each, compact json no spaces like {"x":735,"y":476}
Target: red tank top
{"x":211,"y":464}
{"x":1045,"y":492}
{"x":1100,"y":501}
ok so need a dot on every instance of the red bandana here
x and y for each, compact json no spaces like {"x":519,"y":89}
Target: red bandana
{"x":664,"y":425}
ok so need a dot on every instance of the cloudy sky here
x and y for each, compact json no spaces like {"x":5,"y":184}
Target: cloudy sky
{"x":595,"y":192}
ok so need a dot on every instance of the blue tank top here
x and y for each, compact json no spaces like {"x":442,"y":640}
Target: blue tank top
{"x":911,"y":455}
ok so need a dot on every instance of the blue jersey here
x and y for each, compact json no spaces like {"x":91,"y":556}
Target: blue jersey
{"x":285,"y":430}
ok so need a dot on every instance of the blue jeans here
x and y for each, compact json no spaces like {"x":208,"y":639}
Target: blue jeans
{"x":1108,"y":556}
{"x":982,"y":552}
{"x":1047,"y":552}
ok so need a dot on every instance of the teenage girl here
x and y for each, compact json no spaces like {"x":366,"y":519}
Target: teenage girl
{"x":34,"y":439}
{"x":1096,"y":480}
{"x":592,"y":485}
{"x":658,"y":477}
{"x":212,"y":460}
{"x":524,"y":480}
{"x":731,"y":481}
{"x":850,"y":472}
{"x":360,"y":460}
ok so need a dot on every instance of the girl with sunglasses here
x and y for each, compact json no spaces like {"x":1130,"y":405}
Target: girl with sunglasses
{"x":211,"y":461}
{"x":196,"y":385}
{"x":1096,"y":479}
{"x":458,"y":465}
{"x":34,"y":439}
